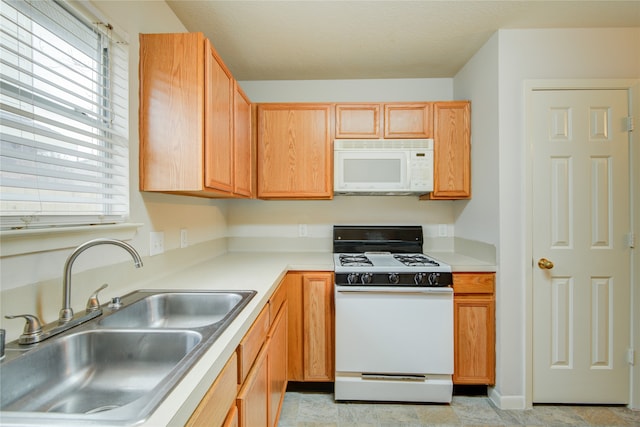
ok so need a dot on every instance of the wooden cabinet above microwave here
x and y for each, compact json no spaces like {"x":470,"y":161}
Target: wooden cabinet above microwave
{"x":389,"y":120}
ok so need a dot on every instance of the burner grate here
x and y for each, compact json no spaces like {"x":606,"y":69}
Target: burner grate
{"x":414,"y":260}
{"x":355,"y":260}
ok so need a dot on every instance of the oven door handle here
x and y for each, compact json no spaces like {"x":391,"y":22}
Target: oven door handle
{"x":443,"y":290}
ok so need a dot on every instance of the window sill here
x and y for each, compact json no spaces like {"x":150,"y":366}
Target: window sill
{"x":22,"y":242}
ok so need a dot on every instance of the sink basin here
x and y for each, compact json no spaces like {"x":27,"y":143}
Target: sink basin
{"x":93,"y":371}
{"x":183,"y":310}
{"x":116,"y":369}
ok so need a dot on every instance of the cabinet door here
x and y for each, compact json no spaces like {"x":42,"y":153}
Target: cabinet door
{"x":253,"y":397}
{"x":218,"y":132}
{"x":318,"y":340}
{"x":277,"y":360}
{"x":244,"y":157}
{"x":452,"y":150}
{"x":311,"y":326}
{"x":474,"y":328}
{"x":295,"y":151}
{"x":171,"y":120}
{"x":358,"y":121}
{"x":295,"y":345}
{"x":408,"y":120}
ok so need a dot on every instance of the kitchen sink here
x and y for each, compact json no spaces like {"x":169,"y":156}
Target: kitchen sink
{"x":175,"y":310}
{"x":116,"y":369}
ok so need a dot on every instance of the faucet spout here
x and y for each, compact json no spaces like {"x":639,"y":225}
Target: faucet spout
{"x":66,"y":313}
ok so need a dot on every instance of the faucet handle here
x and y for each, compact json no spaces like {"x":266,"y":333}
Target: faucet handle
{"x":93,"y":304}
{"x":32,"y":329}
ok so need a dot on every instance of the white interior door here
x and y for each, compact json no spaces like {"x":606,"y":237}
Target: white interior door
{"x":581,"y":297}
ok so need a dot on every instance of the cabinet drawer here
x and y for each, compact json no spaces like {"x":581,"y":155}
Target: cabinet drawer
{"x":251,"y":343}
{"x":278,"y":297}
{"x":215,"y":404}
{"x":473,"y":283}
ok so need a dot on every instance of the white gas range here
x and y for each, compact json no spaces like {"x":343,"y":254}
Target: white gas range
{"x":394,"y":317}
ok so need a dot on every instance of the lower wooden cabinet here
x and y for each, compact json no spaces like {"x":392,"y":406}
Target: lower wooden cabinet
{"x":214,"y":406}
{"x":474,"y":328}
{"x":253,"y":396}
{"x":277,"y":364}
{"x":311,"y":326}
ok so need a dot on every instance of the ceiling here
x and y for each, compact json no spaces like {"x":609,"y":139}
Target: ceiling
{"x":308,"y":40}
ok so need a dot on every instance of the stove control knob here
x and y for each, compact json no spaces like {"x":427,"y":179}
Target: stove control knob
{"x":365,"y":279}
{"x":352,"y":278}
{"x":419,"y":278}
{"x":394,"y":278}
{"x":433,"y":279}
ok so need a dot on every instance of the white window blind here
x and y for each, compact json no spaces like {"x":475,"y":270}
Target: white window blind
{"x":63,"y":118}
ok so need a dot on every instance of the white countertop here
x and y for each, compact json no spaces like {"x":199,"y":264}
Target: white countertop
{"x":261,"y":272}
{"x":463,"y":263}
{"x":231,"y":271}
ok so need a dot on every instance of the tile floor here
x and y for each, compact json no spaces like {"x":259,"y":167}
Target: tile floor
{"x":304,"y":408}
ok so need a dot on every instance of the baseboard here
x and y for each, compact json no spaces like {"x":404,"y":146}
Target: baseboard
{"x":506,"y":402}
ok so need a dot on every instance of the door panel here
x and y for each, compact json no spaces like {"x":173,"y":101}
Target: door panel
{"x":581,"y":314}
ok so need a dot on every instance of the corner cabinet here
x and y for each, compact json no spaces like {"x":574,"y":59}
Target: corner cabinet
{"x":295,"y":151}
{"x":187,"y":110}
{"x":452,"y":150}
{"x":474,"y":328}
{"x":311,"y":326}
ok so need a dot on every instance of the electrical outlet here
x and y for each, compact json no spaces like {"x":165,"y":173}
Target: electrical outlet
{"x":303,"y":231}
{"x":442,"y":230}
{"x":184,"y":238}
{"x":156,"y":243}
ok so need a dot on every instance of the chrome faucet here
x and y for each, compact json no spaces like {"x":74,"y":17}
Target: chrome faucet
{"x":66,"y":313}
{"x":35,"y":332}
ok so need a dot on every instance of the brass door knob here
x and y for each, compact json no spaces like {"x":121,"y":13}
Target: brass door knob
{"x":545,"y":264}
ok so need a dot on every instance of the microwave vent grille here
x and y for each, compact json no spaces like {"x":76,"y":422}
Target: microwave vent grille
{"x":383,"y":144}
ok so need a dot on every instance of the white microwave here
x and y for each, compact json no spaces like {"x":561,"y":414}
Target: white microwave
{"x":383,"y":166}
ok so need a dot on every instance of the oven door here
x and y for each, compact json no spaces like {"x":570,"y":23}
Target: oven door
{"x":387,"y":330}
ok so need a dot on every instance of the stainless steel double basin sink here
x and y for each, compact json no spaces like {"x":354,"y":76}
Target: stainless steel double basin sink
{"x":115,"y":369}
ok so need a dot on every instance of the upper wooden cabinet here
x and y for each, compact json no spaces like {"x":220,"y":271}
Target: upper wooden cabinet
{"x":358,"y":121}
{"x":401,"y":120}
{"x":452,"y":150}
{"x":218,"y":122}
{"x":244,"y":152}
{"x":295,"y":158}
{"x":408,"y":120}
{"x":187,"y":113}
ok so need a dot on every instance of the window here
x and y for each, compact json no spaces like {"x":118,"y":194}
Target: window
{"x":63,"y":118}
